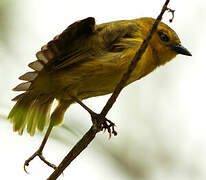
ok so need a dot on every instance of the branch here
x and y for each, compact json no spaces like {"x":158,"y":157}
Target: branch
{"x":134,"y":62}
{"x":90,"y":135}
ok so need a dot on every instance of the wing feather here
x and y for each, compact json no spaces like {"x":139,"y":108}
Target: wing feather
{"x":110,"y":37}
{"x":62,"y":46}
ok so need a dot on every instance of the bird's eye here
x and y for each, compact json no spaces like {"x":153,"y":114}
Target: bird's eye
{"x":163,"y":37}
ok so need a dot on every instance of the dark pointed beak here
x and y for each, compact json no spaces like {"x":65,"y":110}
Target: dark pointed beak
{"x":181,"y":50}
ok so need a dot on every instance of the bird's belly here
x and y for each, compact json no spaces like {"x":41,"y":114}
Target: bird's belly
{"x":97,"y":85}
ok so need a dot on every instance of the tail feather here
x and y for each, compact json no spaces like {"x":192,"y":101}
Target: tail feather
{"x":18,"y":111}
{"x":32,"y":121}
{"x":44,"y":115}
{"x":32,"y":112}
{"x":38,"y":115}
{"x":31,"y":116}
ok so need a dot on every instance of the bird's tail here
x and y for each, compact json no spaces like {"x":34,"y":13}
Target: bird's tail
{"x":32,"y":112}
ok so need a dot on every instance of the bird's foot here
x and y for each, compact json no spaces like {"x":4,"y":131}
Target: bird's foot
{"x":109,"y":126}
{"x":38,"y":153}
{"x":100,"y":122}
{"x":105,"y":125}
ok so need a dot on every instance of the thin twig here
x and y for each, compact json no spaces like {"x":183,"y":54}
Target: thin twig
{"x":76,"y":150}
{"x":133,"y":64}
{"x":172,"y":12}
{"x":90,"y":135}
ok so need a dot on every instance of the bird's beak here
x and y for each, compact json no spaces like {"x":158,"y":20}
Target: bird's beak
{"x":181,"y":50}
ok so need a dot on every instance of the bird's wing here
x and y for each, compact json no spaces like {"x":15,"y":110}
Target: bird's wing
{"x":62,"y":47}
{"x":83,"y":41}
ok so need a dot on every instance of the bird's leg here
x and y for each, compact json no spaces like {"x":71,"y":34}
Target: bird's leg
{"x":39,"y":151}
{"x":56,"y":118}
{"x":105,"y":125}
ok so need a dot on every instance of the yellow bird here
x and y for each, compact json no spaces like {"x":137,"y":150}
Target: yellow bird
{"x":84,"y":61}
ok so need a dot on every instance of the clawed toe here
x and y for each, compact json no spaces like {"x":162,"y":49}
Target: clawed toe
{"x":109,"y":126}
{"x":39,"y":154}
{"x":106,"y":124}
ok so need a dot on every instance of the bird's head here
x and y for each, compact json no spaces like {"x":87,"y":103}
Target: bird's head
{"x":165,"y":42}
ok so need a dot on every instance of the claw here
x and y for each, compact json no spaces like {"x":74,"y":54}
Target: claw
{"x":25,"y":170}
{"x":109,"y":126}
{"x":110,"y":135}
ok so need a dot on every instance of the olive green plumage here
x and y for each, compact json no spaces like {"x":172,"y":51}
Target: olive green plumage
{"x":87,"y":60}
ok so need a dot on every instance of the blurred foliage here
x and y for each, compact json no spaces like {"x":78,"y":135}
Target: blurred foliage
{"x":74,"y":131}
{"x":6,"y":8}
{"x":3,"y":117}
{"x":135,"y":161}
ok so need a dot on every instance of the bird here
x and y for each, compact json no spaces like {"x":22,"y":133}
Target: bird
{"x":87,"y":60}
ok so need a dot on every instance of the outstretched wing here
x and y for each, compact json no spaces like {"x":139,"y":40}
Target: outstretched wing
{"x":84,"y":41}
{"x":62,"y":48}
{"x":57,"y":51}
{"x":113,"y":37}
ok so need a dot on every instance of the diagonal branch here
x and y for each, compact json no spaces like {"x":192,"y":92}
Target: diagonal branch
{"x":91,"y":133}
{"x":134,"y":62}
